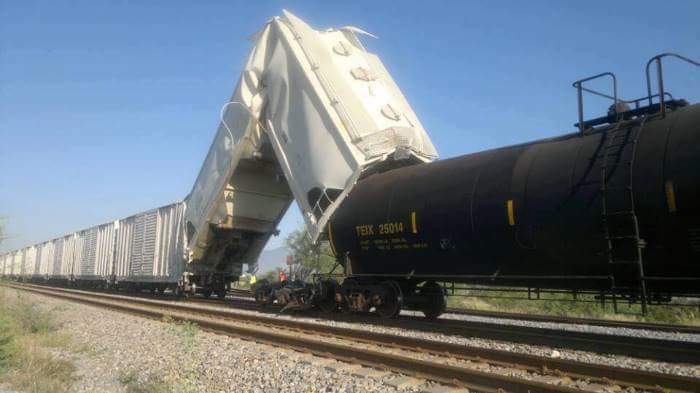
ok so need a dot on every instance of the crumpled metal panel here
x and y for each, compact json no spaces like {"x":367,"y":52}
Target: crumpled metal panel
{"x":311,"y":111}
{"x":328,"y":109}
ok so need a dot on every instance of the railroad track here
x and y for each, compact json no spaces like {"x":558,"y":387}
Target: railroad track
{"x":240,"y":292}
{"x":641,"y":347}
{"x":659,"y":327}
{"x":446,"y":363}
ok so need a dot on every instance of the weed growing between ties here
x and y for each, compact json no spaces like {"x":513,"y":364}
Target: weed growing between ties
{"x":28,"y":336}
{"x":561,"y":305}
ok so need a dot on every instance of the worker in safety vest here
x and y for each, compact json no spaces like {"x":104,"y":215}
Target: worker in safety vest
{"x":253,"y":280}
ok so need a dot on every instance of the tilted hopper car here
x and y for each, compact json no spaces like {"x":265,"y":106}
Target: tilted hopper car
{"x":316,"y":119}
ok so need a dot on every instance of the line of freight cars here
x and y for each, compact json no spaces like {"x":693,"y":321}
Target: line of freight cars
{"x":145,"y":250}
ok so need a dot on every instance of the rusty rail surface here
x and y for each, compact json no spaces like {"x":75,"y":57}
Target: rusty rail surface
{"x":602,"y":374}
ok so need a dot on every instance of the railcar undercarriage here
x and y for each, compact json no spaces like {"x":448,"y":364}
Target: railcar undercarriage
{"x":385,"y":297}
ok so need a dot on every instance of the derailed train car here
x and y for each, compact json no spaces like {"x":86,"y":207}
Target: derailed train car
{"x":548,"y":214}
{"x":145,"y":250}
{"x":270,"y":148}
{"x":610,"y":210}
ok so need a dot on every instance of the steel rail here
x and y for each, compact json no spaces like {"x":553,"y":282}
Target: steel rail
{"x":543,"y":365}
{"x":240,"y":292}
{"x":657,"y":327}
{"x":446,"y":374}
{"x":651,"y":326}
{"x":672,"y":351}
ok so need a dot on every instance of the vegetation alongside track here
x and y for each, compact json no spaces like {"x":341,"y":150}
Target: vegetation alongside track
{"x":304,"y":336}
{"x":183,"y":380}
{"x":561,"y":305}
{"x":29,"y":339}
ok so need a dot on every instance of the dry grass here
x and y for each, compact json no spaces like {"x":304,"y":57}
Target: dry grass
{"x":560,"y":305}
{"x":29,"y":346}
{"x":182,"y":379}
{"x":132,"y":384}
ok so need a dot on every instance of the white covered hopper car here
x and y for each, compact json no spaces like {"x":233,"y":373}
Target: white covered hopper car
{"x":146,"y":249}
{"x":313,"y":111}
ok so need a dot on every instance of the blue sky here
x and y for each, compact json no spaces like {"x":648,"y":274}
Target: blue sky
{"x":107,"y":108}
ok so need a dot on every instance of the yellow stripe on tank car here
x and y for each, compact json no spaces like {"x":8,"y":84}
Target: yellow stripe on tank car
{"x":670,"y":196}
{"x":414,"y":227}
{"x":511,"y":213}
{"x":330,"y":239}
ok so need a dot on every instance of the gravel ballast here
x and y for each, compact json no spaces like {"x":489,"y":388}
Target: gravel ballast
{"x":121,"y":352}
{"x":176,"y":356}
{"x":692,"y":370}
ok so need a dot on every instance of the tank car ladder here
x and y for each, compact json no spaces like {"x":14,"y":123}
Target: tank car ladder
{"x":620,"y":224}
{"x":623,"y":245}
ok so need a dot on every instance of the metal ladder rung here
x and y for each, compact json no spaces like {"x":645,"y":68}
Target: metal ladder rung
{"x":630,"y":212}
{"x":617,"y":164}
{"x":609,"y":145}
{"x":626,"y":188}
{"x":624,"y":262}
{"x":603,"y":190}
{"x":616,"y":135}
{"x":590,"y":182}
{"x":606,"y":155}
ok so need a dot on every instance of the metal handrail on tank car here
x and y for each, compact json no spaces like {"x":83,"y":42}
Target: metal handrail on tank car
{"x":665,"y":98}
{"x":600,"y":296}
{"x":660,"y":77}
{"x":580,"y":89}
{"x":449,"y":278}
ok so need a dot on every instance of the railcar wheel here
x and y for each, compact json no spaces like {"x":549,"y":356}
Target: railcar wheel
{"x":326,"y":297}
{"x":179,"y":292}
{"x":392,"y":300}
{"x":221,"y":294}
{"x":435,"y":300}
{"x":206,"y":293}
{"x":262,"y":293}
{"x":346,"y":288}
